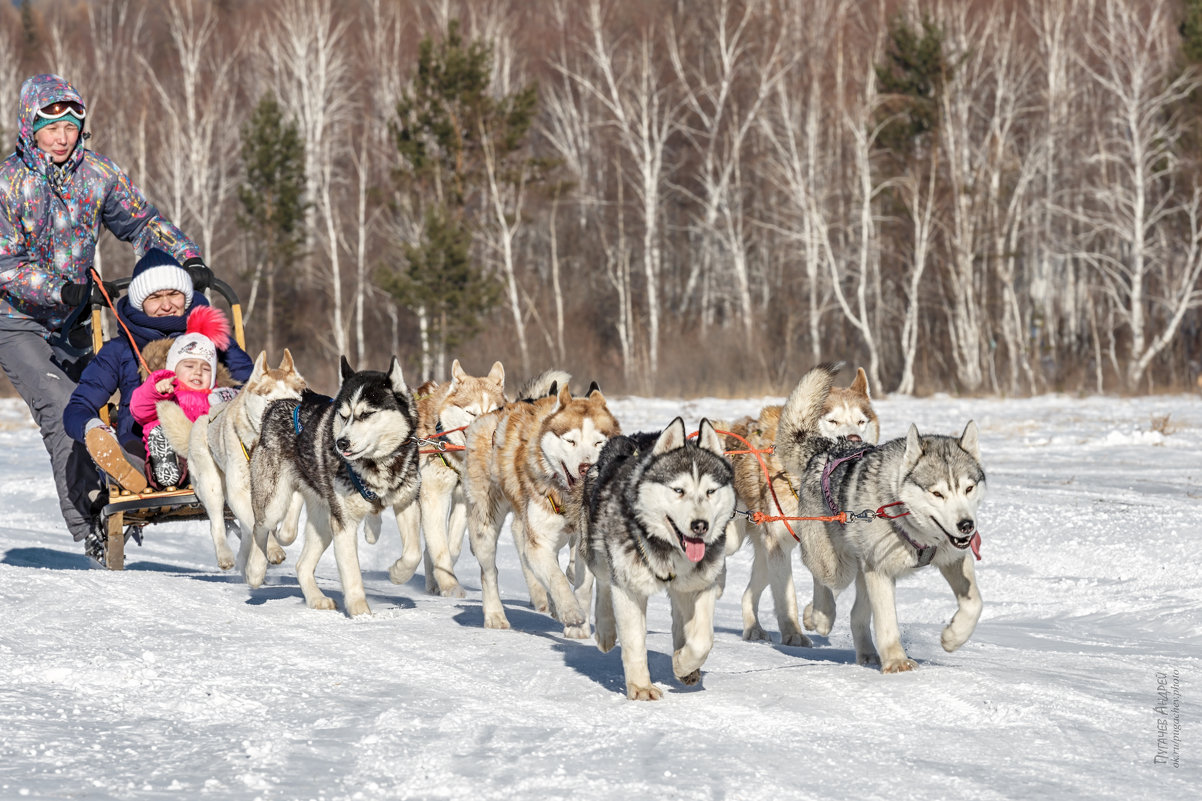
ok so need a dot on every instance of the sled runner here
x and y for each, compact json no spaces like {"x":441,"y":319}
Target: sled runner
{"x":126,"y":513}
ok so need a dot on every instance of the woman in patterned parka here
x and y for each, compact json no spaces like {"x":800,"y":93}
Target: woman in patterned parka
{"x":55,"y":195}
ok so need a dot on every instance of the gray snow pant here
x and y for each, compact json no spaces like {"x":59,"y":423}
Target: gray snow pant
{"x":45,"y":377}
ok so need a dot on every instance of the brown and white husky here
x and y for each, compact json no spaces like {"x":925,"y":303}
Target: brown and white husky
{"x":443,"y":411}
{"x":529,"y":456}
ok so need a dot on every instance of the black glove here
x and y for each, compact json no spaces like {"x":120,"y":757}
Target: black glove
{"x":74,"y":294}
{"x":98,"y":296}
{"x":202,"y":276}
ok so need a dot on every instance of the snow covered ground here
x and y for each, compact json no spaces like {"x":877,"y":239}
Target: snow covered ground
{"x":174,"y":680}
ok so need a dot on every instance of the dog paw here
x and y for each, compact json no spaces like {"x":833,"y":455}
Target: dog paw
{"x":898,"y":665}
{"x":951,"y":640}
{"x":276,"y":555}
{"x":225,"y":561}
{"x":453,"y":591}
{"x":867,"y":658}
{"x":796,"y":639}
{"x":606,"y":639}
{"x":649,"y":692}
{"x":323,"y":603}
{"x":816,"y":621}
{"x":496,"y":620}
{"x":755,"y":633}
{"x":689,"y":679}
{"x":358,"y":607}
{"x":400,"y":572}
{"x":577,"y":632}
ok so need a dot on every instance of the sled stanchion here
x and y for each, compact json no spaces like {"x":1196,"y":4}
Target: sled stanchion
{"x":239,"y":335}
{"x":114,"y":549}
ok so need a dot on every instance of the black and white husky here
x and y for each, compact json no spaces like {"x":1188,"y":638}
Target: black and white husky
{"x":655,"y":510}
{"x":349,"y":456}
{"x":937,"y":481}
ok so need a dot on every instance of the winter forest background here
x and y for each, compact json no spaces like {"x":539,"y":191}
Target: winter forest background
{"x":686,"y":197}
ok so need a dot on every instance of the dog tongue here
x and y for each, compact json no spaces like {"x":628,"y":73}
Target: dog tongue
{"x":694,"y":549}
{"x":975,"y":544}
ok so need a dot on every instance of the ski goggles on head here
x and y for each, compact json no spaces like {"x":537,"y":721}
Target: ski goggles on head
{"x":56,"y":111}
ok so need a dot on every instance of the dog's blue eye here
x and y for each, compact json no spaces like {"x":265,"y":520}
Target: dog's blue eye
{"x":679,"y":492}
{"x":710,"y":492}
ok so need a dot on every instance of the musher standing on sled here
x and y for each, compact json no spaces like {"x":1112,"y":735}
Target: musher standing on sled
{"x":54,"y":197}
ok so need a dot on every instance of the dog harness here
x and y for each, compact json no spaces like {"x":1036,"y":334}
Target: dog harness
{"x":356,"y":481}
{"x":925,"y":553}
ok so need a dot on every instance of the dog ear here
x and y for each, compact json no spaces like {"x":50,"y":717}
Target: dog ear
{"x":345,"y":368}
{"x":286,"y":363}
{"x":913,"y":449}
{"x":708,"y":438}
{"x":497,"y":375}
{"x":969,"y":442}
{"x":457,"y":374}
{"x":860,"y":385}
{"x":565,"y":395}
{"x":260,"y":366}
{"x":397,"y":379}
{"x":672,"y":438}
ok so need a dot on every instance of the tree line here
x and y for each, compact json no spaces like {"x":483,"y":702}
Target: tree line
{"x":700,"y":197}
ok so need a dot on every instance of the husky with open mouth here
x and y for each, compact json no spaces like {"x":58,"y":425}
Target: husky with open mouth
{"x":655,"y":510}
{"x":530,"y":456}
{"x":936,"y":482}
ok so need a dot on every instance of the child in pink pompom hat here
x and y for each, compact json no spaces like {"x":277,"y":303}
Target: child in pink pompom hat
{"x":189,"y":381}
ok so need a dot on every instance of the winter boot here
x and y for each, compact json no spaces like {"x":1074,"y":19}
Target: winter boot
{"x":108,"y":455}
{"x":164,"y":463}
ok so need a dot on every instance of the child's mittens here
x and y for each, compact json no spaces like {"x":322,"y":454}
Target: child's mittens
{"x":164,"y":386}
{"x":222,"y":395}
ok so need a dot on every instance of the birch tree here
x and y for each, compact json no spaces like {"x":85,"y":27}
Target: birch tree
{"x":1142,"y":273}
{"x":196,"y":146}
{"x":306,"y":54}
{"x":801,"y":128}
{"x":725,"y":84}
{"x":643,"y":114}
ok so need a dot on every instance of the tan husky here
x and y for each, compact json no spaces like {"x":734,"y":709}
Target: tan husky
{"x":528,"y":456}
{"x":847,"y":413}
{"x":447,"y":408}
{"x":218,"y":446}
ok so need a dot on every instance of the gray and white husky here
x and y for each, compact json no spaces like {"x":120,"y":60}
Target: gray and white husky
{"x":939,"y":482}
{"x":349,"y":456}
{"x":655,"y":510}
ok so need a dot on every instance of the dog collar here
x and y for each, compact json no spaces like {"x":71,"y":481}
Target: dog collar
{"x":925,"y":553}
{"x":358,"y":484}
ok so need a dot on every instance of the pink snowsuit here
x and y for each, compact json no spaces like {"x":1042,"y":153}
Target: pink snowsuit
{"x":194,"y":402}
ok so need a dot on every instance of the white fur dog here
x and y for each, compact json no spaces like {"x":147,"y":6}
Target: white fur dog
{"x":218,"y":446}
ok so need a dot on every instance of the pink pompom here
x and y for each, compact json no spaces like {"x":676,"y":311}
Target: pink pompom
{"x":210,"y":322}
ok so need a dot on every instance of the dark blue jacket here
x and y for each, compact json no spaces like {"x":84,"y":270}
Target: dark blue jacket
{"x":115,"y":367}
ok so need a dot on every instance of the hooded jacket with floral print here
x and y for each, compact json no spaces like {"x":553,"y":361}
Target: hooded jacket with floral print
{"x":51,"y":215}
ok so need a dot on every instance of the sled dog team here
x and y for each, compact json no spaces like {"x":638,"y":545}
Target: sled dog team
{"x":642,"y":513}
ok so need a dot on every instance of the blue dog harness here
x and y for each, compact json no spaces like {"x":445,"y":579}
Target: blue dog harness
{"x":356,"y":481}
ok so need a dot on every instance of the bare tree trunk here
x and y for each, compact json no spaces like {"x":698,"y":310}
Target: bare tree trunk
{"x":197,"y":146}
{"x":561,"y":352}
